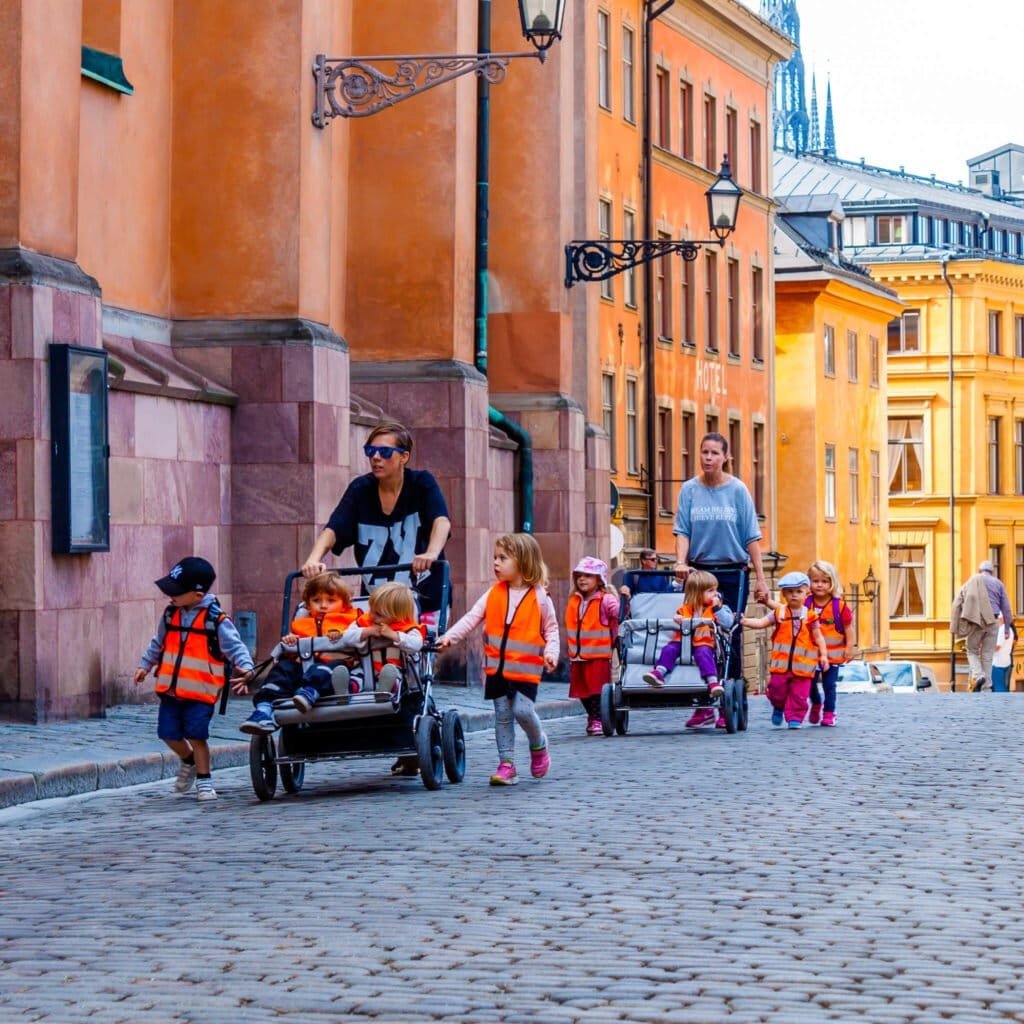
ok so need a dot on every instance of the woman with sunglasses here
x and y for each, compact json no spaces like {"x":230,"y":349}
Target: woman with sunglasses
{"x":390,"y":516}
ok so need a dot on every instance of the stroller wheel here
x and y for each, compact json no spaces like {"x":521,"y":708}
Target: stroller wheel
{"x":608,"y":710}
{"x":263,"y":766}
{"x":622,"y":721}
{"x":453,"y":745}
{"x":428,"y":747}
{"x":729,"y":708}
{"x":741,"y":705}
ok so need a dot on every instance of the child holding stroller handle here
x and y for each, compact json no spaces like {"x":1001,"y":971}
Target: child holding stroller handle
{"x":798,"y":650}
{"x":520,"y":641}
{"x":701,"y":600}
{"x":194,"y":644}
{"x":327,"y":611}
{"x":391,"y":617}
{"x":591,"y":625}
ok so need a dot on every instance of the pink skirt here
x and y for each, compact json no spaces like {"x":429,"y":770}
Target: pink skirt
{"x":587,"y":677}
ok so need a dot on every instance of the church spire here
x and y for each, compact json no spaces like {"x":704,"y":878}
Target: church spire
{"x":789,"y":119}
{"x":815,"y":139}
{"x":830,"y":129}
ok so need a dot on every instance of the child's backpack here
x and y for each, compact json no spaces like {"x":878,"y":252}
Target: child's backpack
{"x":837,"y":606}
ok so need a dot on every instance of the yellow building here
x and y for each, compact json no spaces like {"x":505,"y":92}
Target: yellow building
{"x":954,"y":469}
{"x":830,"y":388}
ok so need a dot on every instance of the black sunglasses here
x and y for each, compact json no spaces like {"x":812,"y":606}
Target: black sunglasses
{"x":385,"y":451}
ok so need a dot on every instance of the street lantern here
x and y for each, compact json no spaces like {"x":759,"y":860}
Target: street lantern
{"x":870,"y":585}
{"x":723,"y":203}
{"x":542,"y":21}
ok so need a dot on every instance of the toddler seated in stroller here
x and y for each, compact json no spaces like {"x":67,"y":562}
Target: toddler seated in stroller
{"x":305,"y":676}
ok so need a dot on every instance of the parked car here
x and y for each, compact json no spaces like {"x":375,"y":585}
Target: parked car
{"x":906,"y":676}
{"x":861,"y":677}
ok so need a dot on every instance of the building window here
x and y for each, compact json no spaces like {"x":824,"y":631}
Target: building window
{"x":759,"y":468}
{"x":662,"y":110}
{"x":735,"y":455}
{"x":757,"y":314}
{"x":688,"y":300}
{"x":876,"y":486}
{"x":732,"y":289}
{"x":632,"y":436}
{"x":711,"y":301}
{"x":1019,"y":579}
{"x":628,"y":76}
{"x":851,"y":355}
{"x":995,"y":329}
{"x":875,"y":355}
{"x":629,"y":277}
{"x":663,"y":294}
{"x":604,"y":232}
{"x":995,"y":556}
{"x":830,"y":351}
{"x":904,"y":332}
{"x":604,"y":69}
{"x":710,"y":137}
{"x":853,"y":464}
{"x":891,"y":230}
{"x":664,"y":468}
{"x":755,"y":157}
{"x":906,"y":582}
{"x":1018,"y":336}
{"x":732,"y":141}
{"x":830,"y":481}
{"x":1018,"y":456}
{"x":906,"y":455}
{"x":710,"y":423}
{"x":995,"y":424}
{"x":608,"y":417}
{"x":686,"y":120}
{"x":687,"y":445}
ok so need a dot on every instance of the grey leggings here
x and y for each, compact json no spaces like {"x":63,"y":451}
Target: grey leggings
{"x":520,"y":709}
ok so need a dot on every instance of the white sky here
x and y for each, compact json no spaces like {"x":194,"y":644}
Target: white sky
{"x":922,"y":83}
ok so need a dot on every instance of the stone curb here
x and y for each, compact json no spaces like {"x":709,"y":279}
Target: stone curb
{"x":22,"y":784}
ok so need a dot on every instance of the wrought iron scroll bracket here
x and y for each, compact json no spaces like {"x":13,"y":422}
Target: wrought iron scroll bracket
{"x":599,"y":260}
{"x":358,"y":87}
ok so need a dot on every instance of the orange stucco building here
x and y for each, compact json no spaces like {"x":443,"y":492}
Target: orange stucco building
{"x":711,"y":318}
{"x":266,"y":290}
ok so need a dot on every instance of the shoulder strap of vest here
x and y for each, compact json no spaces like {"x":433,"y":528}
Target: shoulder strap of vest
{"x":837,"y":609}
{"x":214,"y":617}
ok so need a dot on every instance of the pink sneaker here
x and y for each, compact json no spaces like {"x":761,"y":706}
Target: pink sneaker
{"x":815,"y":716}
{"x":540,"y":762}
{"x":506,"y":775}
{"x":720,"y":724}
{"x":715,"y":690}
{"x":594,"y":727}
{"x":829,"y":718}
{"x":700,"y":718}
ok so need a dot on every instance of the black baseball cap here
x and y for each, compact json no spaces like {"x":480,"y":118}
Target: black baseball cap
{"x":190,"y":574}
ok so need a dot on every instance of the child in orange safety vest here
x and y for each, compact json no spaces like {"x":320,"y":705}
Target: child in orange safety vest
{"x":798,"y":650}
{"x":391,"y":616}
{"x":591,"y":625}
{"x":836,"y":621}
{"x":520,"y":642}
{"x":325,"y":610}
{"x":194,"y":646}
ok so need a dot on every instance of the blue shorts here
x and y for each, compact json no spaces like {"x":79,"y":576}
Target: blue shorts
{"x":181,"y":719}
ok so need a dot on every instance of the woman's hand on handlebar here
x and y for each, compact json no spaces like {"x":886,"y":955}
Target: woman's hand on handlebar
{"x":682,"y":570}
{"x":421,"y":563}
{"x":313,"y":568}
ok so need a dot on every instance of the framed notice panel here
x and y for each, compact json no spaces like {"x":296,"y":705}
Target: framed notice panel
{"x":80,"y":450}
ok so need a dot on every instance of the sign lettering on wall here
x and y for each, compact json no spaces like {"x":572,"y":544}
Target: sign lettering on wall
{"x":710,"y":378}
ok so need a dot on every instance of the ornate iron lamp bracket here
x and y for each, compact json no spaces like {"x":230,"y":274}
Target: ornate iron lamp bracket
{"x":356,"y":87}
{"x":597,"y":261}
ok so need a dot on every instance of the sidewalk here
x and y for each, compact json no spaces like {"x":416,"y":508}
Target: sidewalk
{"x":38,"y":762}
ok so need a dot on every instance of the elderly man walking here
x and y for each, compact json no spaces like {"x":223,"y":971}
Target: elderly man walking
{"x":974,"y":618}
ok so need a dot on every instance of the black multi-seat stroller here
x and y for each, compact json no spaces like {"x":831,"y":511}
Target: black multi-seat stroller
{"x":647,"y":623}
{"x":371,"y":723}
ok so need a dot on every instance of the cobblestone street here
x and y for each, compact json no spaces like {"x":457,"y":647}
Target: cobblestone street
{"x":867,"y":873}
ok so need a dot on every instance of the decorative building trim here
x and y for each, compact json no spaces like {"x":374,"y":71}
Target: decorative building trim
{"x":149,"y":368}
{"x":388,"y":371}
{"x":227,"y":333}
{"x":21,"y":266}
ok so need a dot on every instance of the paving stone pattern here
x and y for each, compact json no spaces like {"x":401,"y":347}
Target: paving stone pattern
{"x":870,"y":873}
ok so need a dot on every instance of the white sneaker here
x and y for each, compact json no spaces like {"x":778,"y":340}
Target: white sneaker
{"x":205,"y":790}
{"x":186,"y":777}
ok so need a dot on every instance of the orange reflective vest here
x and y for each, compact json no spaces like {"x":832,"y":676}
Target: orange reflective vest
{"x":832,"y":628}
{"x":332,"y":622}
{"x":192,"y":666}
{"x":794,"y":651}
{"x":587,"y":638}
{"x":513,"y":649}
{"x":703,"y":636}
{"x":382,"y":656}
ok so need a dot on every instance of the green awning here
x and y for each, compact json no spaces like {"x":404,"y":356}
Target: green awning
{"x":105,"y":68}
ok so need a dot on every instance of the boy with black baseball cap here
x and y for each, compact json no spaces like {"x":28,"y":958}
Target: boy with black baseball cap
{"x":194,"y":646}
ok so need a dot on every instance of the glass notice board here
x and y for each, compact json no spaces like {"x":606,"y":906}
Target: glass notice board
{"x":80,"y":452}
